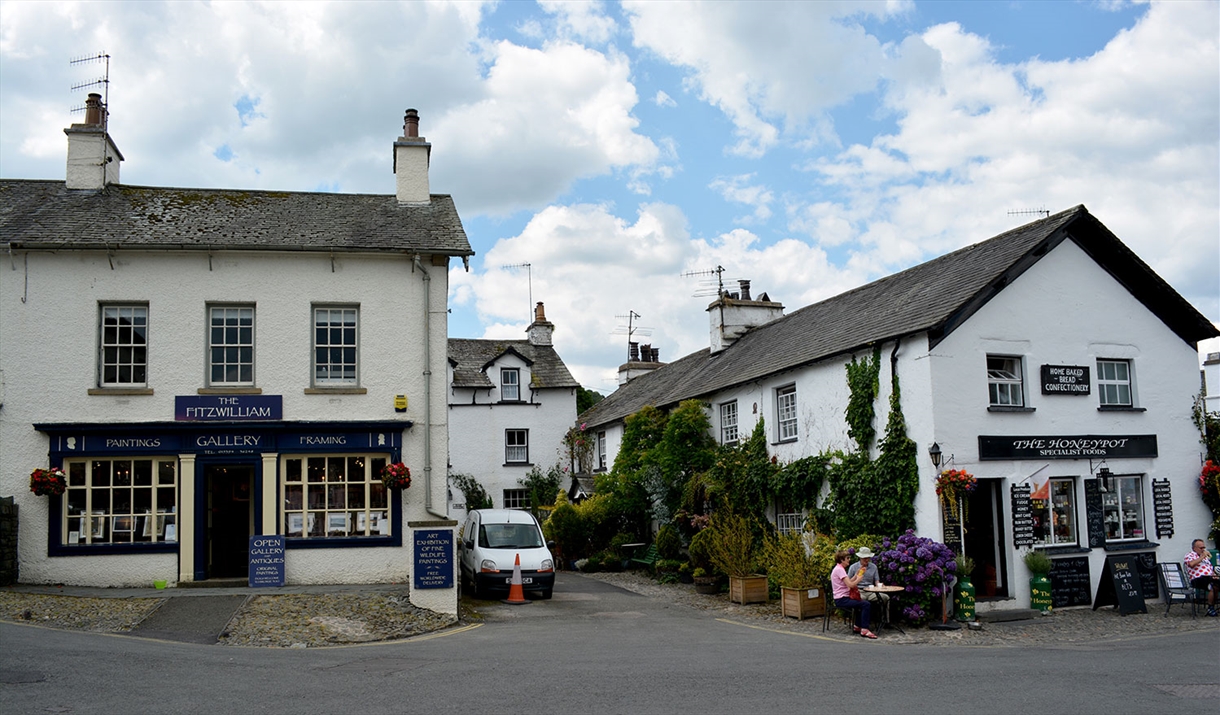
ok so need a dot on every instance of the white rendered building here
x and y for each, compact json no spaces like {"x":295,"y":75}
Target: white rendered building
{"x":1049,"y":358}
{"x":510,"y":404}
{"x":211,"y":365}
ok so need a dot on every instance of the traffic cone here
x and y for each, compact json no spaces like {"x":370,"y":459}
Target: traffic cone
{"x":516,"y":594}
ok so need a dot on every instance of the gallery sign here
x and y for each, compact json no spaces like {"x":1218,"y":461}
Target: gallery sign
{"x":1067,"y":447}
{"x":266,"y":561}
{"x":433,"y":558}
{"x":228,"y":408}
{"x":1065,"y":380}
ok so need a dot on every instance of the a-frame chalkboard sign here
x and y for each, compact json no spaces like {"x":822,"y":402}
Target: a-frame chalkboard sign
{"x":1120,"y":586}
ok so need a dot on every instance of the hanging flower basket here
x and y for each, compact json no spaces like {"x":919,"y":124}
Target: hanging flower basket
{"x":48,"y":482}
{"x":952,"y":486}
{"x":396,"y":476}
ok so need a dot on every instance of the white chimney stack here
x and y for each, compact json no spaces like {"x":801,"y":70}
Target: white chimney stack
{"x":93,"y":159}
{"x":411,"y":153}
{"x":733,"y":315}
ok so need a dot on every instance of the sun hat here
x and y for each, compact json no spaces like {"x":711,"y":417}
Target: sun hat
{"x":864,"y":553}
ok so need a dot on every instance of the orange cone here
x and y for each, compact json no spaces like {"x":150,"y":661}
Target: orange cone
{"x":516,"y":594}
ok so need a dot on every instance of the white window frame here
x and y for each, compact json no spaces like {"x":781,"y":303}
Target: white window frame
{"x":785,"y":413}
{"x":728,"y":422}
{"x":601,"y":451}
{"x":516,"y":499}
{"x":90,"y":508}
{"x":122,"y":358}
{"x":1122,"y":509}
{"x":510,"y":384}
{"x":336,"y":346}
{"x":1059,"y":508}
{"x":516,"y":446}
{"x":231,"y":345}
{"x":1003,"y":381}
{"x":1110,"y":390}
{"x":317,"y":492}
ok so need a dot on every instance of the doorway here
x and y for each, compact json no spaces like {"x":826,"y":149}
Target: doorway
{"x":230,"y":516}
{"x":983,"y":539}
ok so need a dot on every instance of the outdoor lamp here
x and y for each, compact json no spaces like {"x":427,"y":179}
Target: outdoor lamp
{"x":934,"y":453}
{"x":1106,"y":477}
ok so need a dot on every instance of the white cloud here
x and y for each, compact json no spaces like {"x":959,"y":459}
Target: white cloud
{"x":581,"y":19}
{"x":739,"y":189}
{"x":770,"y":71}
{"x":663,"y":100}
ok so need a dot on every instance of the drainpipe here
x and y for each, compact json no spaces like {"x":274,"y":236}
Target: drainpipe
{"x":428,"y":390}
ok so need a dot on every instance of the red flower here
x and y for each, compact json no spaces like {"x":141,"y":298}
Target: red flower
{"x":48,"y":482}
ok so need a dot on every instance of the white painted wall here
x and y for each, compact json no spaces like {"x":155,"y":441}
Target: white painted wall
{"x":48,"y":355}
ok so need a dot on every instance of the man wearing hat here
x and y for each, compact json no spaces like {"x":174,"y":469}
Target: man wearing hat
{"x":870,"y":578}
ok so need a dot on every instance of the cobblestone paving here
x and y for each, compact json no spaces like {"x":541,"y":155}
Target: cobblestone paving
{"x":106,"y":615}
{"x":1064,"y":627}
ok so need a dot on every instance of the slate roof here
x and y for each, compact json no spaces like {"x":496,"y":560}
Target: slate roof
{"x":45,"y":214}
{"x":469,"y":357}
{"x":934,"y":297}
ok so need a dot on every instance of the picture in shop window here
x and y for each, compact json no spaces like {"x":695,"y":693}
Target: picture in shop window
{"x":335,"y":496}
{"x":1053,"y":507}
{"x":1122,"y":507}
{"x":120,"y":501}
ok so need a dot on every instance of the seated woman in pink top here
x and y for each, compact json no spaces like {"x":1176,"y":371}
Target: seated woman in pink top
{"x":840,"y":587}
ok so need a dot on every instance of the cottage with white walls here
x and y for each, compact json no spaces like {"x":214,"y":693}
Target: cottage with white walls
{"x":510,"y":404}
{"x":211,"y":365}
{"x":1049,"y":358}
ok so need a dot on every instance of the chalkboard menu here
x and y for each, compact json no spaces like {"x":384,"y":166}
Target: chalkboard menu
{"x":1093,"y":516}
{"x":1022,"y":517}
{"x":1148,"y":581}
{"x":1070,"y":582}
{"x":952,"y":530}
{"x":1162,"y":501}
{"x":1120,"y":585}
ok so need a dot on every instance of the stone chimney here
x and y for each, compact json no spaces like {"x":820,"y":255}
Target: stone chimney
{"x":411,"y":154}
{"x":641,"y":359}
{"x":732,"y":315}
{"x":541,"y":329}
{"x":93,"y":159}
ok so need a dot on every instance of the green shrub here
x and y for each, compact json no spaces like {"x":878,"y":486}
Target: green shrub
{"x":669,"y":544}
{"x":667,"y":566}
{"x":699,"y":550}
{"x":1037,"y":562}
{"x":787,"y":563}
{"x":616,"y":545}
{"x":731,"y":545}
{"x":566,"y":527}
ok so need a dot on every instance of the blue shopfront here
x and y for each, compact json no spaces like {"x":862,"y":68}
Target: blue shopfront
{"x":201,"y":487}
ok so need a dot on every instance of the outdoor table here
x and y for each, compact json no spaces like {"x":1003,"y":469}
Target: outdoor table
{"x":885,"y":616}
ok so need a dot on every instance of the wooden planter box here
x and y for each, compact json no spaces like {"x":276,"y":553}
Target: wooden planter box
{"x":748,"y":589}
{"x":802,"y":603}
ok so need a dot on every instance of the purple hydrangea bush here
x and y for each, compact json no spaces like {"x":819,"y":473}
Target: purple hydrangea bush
{"x":922,"y":566}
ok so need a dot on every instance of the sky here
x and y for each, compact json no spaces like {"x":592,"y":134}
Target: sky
{"x":600,"y":152}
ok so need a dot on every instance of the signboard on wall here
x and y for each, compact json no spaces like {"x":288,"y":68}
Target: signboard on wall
{"x":1162,"y":504}
{"x":433,"y":556}
{"x":1065,"y":380}
{"x":1022,"y":517}
{"x":1070,"y":582}
{"x":228,"y":408}
{"x":1088,"y":446}
{"x":1093,"y":516}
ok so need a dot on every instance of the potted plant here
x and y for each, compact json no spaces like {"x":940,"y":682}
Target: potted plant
{"x":706,"y":583}
{"x":48,"y":482}
{"x":1039,"y":565}
{"x":731,"y":547}
{"x":793,"y":567}
{"x":952,"y":486}
{"x":396,"y":476}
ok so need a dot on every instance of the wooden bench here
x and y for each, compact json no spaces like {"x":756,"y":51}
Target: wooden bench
{"x":648,"y":559}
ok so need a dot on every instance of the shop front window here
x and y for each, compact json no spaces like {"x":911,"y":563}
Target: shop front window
{"x":120,"y":501}
{"x":335,"y":496}
{"x":1054,"y":513}
{"x":1122,"y":508}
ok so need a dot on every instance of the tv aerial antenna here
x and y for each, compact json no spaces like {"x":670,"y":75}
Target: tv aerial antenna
{"x":631,"y":329}
{"x":705,"y":286}
{"x":529,"y":279}
{"x":103,"y":82}
{"x":1040,"y":213}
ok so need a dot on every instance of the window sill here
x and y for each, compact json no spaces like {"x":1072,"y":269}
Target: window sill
{"x":341,"y":542}
{"x":120,"y":391}
{"x":518,"y":464}
{"x":336,"y":391}
{"x":512,"y":402}
{"x":1120,"y":408}
{"x":1062,"y":550}
{"x":1008,"y":408}
{"x":229,"y":391}
{"x":1130,"y":545}
{"x":789,"y":440}
{"x":147,"y":547}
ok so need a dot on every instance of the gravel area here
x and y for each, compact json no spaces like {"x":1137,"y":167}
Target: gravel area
{"x":1064,"y":626}
{"x":105,"y":615}
{"x":311,"y":620}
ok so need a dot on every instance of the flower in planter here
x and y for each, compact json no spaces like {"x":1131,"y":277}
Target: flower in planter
{"x":952,"y":486}
{"x":396,"y":476}
{"x":48,"y":482}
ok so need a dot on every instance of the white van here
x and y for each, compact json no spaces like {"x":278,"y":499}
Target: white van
{"x":491,"y":541}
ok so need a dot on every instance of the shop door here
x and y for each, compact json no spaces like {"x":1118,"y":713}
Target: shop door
{"x":983,"y":539}
{"x":229,"y":516}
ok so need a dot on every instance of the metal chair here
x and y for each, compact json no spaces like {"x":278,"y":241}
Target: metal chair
{"x":1175,"y":586}
{"x":847,"y":614}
